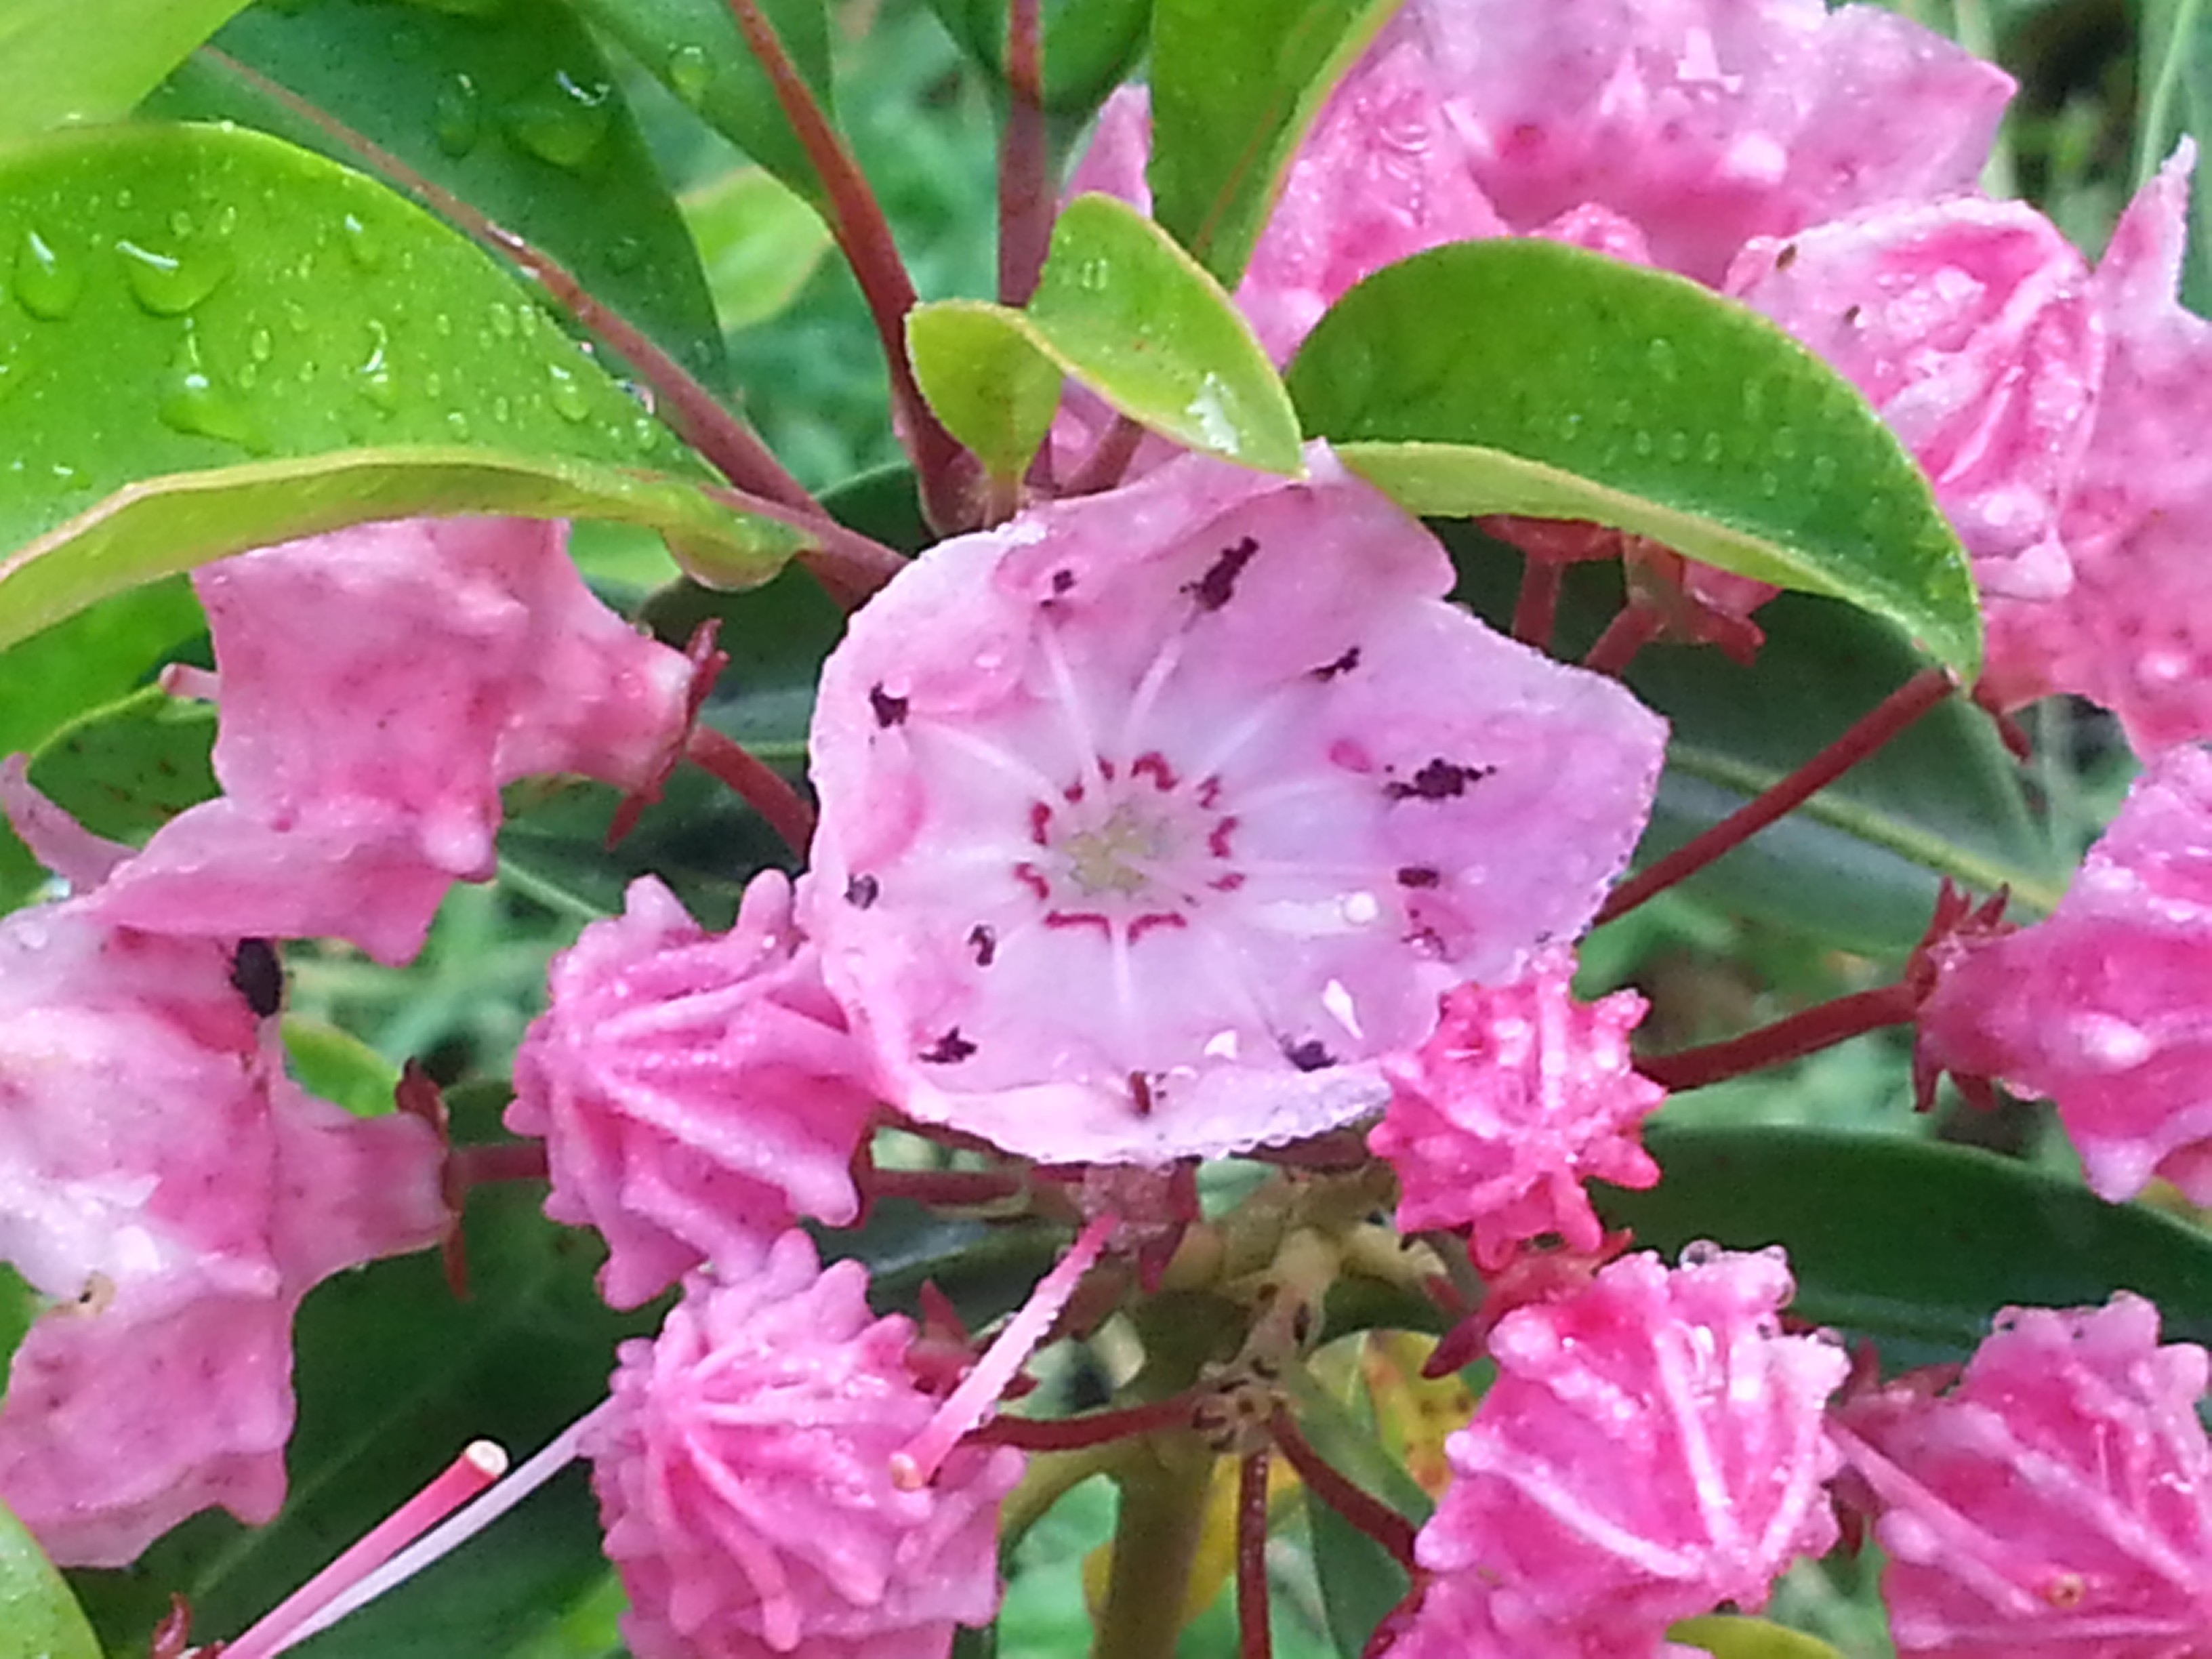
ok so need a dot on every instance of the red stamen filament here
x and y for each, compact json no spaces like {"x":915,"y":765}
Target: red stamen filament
{"x":1370,"y":1514}
{"x":1040,"y":1434}
{"x":1807,"y":1031}
{"x":1537,"y":609}
{"x":756,"y":783}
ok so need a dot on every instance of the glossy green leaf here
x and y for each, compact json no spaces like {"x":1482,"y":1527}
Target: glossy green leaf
{"x":1124,"y":310}
{"x":1360,"y":1581}
{"x":92,"y":60}
{"x":2175,"y":73}
{"x":1726,"y":1637}
{"x":993,"y":387}
{"x":339,"y":1066}
{"x":125,"y":770}
{"x":758,"y":240}
{"x":512,"y":107}
{"x":214,"y":340}
{"x":694,"y":49}
{"x":1234,"y":89}
{"x":1914,"y":1244}
{"x":1522,"y":376}
{"x":1858,"y":866}
{"x":1090,"y":46}
{"x":38,"y":1616}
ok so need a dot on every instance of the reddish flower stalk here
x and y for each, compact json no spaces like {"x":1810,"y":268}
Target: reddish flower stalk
{"x":1040,"y":1434}
{"x":1101,"y":469}
{"x":1807,"y":1031}
{"x":507,"y":1160}
{"x":1884,"y":721}
{"x":1024,"y":196}
{"x":756,"y":783}
{"x":857,"y":222}
{"x":1370,"y":1514}
{"x":1253,"y":1639}
{"x":1538,"y":607}
{"x":1636,"y":626}
{"x":952,"y":1188}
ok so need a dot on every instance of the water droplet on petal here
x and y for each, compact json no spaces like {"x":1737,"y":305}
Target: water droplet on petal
{"x":48,"y":285}
{"x":690,"y":73}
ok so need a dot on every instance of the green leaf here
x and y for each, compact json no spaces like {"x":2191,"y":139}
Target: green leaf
{"x":694,"y":49}
{"x":1233,"y":90}
{"x":511,"y":107}
{"x":993,"y":387}
{"x":339,"y":1066}
{"x":38,"y":1616}
{"x":1522,"y":376}
{"x":1726,"y":1637}
{"x":759,"y":242}
{"x":1360,"y":1581}
{"x":2175,"y":72}
{"x":1913,"y":1244}
{"x":1124,"y":310}
{"x":219,"y":341}
{"x":1090,"y":46}
{"x":125,"y":770}
{"x":92,"y":60}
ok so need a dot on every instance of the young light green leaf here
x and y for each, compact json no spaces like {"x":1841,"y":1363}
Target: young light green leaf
{"x":1234,"y":89}
{"x":513,"y":109}
{"x":994,"y":387}
{"x":1124,"y":310}
{"x":1090,"y":46}
{"x":1727,"y":1637}
{"x":38,"y":1616}
{"x":92,"y":60}
{"x":758,"y":240}
{"x":219,"y":340}
{"x":1522,"y":376}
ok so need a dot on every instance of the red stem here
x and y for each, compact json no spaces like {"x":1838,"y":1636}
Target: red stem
{"x":955,"y":1189}
{"x":1538,"y":608}
{"x":863,"y":236}
{"x":756,"y":783}
{"x":1093,"y":1429}
{"x":1253,"y":1638}
{"x":505,"y":1160}
{"x":1636,"y":626}
{"x":1805,"y":1032}
{"x":1025,"y":199}
{"x":1370,"y":1514}
{"x":1110,"y":457}
{"x":1884,"y":721}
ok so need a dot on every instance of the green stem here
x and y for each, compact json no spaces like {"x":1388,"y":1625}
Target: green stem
{"x":1165,"y":1485}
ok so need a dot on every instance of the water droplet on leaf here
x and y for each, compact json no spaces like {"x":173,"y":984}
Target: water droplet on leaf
{"x":191,"y":402}
{"x":458,"y":120}
{"x":48,"y":285}
{"x":690,"y":73}
{"x":363,"y":243}
{"x":457,"y":424}
{"x":569,"y":399}
{"x":171,"y":284}
{"x":376,"y":382}
{"x":563,"y":121}
{"x":1661,"y":356}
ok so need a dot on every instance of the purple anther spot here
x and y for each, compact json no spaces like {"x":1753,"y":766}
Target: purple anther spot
{"x":1417,"y":875}
{"x":1310,"y":1055}
{"x":949,"y":1049}
{"x":1440,"y":779}
{"x":983,"y":940}
{"x":890,"y":710}
{"x":1343,"y":664}
{"x":1215,"y":589}
{"x":861,"y":891}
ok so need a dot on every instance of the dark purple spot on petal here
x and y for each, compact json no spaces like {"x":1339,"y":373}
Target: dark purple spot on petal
{"x":1062,"y":580}
{"x":1440,"y":779}
{"x":983,"y":940}
{"x":1851,"y":315}
{"x":1310,"y":1055}
{"x":862,"y":891}
{"x":1417,"y":875}
{"x":949,"y":1049}
{"x":1140,"y":1093}
{"x":1343,"y":664}
{"x":1216,"y":588}
{"x":1787,"y":257}
{"x":890,"y":710}
{"x":258,"y":975}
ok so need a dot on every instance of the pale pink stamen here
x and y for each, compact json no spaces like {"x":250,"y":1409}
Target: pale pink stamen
{"x":916,"y":1464}
{"x":478,"y":1466}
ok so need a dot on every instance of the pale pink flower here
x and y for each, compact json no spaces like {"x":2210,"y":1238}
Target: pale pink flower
{"x":376,"y":686}
{"x":697,"y":1092}
{"x":2057,"y":1500}
{"x":1520,"y":1095}
{"x":744,"y":1473}
{"x":2105,"y":1007}
{"x":1653,"y":1446}
{"x":1151,"y":820}
{"x":2135,"y":632}
{"x":174,"y":1196}
{"x":1967,"y":324}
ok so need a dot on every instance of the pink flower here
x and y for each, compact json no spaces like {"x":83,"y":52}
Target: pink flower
{"x":175,"y":1196}
{"x":1653,"y":1446}
{"x":2058,"y":1500}
{"x":1968,"y":324}
{"x":697,"y":1092}
{"x":1151,"y":820}
{"x":377,"y":686}
{"x":2107,"y":1006}
{"x":1520,"y":1095}
{"x":2135,"y":632}
{"x":744,"y":1476}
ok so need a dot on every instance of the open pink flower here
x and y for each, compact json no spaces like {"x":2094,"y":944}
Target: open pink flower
{"x":745,"y":1478}
{"x":377,"y":685}
{"x":2057,"y":1501}
{"x":697,"y":1092}
{"x":1653,"y":1446}
{"x":2105,"y":1007}
{"x":1520,"y":1095}
{"x":1151,"y":820}
{"x":175,"y":1196}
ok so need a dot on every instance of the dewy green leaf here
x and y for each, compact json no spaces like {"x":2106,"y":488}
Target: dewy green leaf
{"x":515,"y":112}
{"x":1089,"y":44}
{"x":1124,"y":310}
{"x":1522,"y":376}
{"x":214,"y":340}
{"x":758,"y":242}
{"x":1911,"y":1242}
{"x":1234,"y":89}
{"x":38,"y":1616}
{"x":991,"y":383}
{"x":694,"y":49}
{"x":92,"y":60}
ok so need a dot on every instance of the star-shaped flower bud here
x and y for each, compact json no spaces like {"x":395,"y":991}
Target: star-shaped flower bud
{"x":744,"y":1473}
{"x":2105,"y":1007}
{"x":1151,"y":821}
{"x":1520,"y":1095}
{"x":376,"y":686}
{"x":1653,"y":1446}
{"x":2056,"y":1501}
{"x":697,"y":1092}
